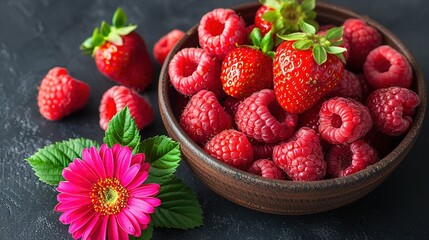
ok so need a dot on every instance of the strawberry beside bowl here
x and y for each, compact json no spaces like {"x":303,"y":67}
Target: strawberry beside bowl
{"x":284,"y":196}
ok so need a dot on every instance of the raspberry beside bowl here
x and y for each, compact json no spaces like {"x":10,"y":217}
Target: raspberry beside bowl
{"x":281,"y":196}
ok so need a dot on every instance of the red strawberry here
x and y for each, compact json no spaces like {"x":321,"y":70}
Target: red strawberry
{"x":120,"y":53}
{"x":303,"y":69}
{"x":260,"y":22}
{"x":60,"y":94}
{"x":246,"y":70}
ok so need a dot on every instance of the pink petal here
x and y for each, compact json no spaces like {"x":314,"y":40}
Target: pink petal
{"x":82,"y":168}
{"x":155,"y":202}
{"x":90,"y":226}
{"x":100,"y":229}
{"x":66,"y":197}
{"x":69,"y":187}
{"x":103,"y":149}
{"x":78,"y":226}
{"x":130,"y":174}
{"x":138,"y":180}
{"x":146,"y":190}
{"x":138,"y":158}
{"x":142,"y":205}
{"x":134,"y":222}
{"x":75,"y":214}
{"x":109,"y":163}
{"x":123,"y":161}
{"x":141,"y":217}
{"x":64,"y":206}
{"x":112,"y":230}
{"x":97,"y":162}
{"x":125,"y":223}
{"x":116,"y":149}
{"x":145,"y":167}
{"x":76,"y":179}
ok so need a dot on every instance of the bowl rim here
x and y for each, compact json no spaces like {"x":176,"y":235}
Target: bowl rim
{"x":393,"y":158}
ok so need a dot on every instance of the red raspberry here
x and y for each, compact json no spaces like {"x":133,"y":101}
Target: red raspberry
{"x":392,"y":109}
{"x":343,"y":120}
{"x":60,"y":94}
{"x":204,"y":117}
{"x":267,"y":169}
{"x":230,"y":104}
{"x":362,"y":38}
{"x":231,"y":147}
{"x":164,"y":45}
{"x":385,"y":67}
{"x":310,"y":118}
{"x":345,"y":159}
{"x":301,"y":157}
{"x":263,"y":119}
{"x":366,"y":88}
{"x":192,"y":70}
{"x":263,"y":150}
{"x":379,"y":141}
{"x":118,"y":97}
{"x":348,"y":87}
{"x":220,"y":31}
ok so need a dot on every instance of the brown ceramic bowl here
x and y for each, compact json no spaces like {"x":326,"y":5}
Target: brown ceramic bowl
{"x":282,"y":196}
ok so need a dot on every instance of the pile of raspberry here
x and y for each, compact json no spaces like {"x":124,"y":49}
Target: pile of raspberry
{"x":346,"y":131}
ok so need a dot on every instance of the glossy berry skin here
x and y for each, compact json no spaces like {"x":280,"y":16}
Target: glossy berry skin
{"x":60,"y":94}
{"x":346,"y":159}
{"x":301,"y":157}
{"x":362,"y":38}
{"x":194,"y":69}
{"x":204,"y":117}
{"x":393,"y":109}
{"x":261,"y":23}
{"x":128,"y":64}
{"x":385,"y":67}
{"x":165,"y":44}
{"x":267,"y":169}
{"x":231,"y":147}
{"x":245,"y":71}
{"x":220,"y":31}
{"x":118,"y":97}
{"x":343,"y":120}
{"x":261,"y":118}
{"x":299,"y":82}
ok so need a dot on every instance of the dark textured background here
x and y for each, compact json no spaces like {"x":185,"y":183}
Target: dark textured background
{"x":36,"y":35}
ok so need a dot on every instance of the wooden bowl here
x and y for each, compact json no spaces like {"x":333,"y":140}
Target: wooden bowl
{"x":282,"y":196}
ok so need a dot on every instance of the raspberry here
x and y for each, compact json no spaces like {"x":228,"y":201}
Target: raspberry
{"x":379,"y":141}
{"x":261,"y":118}
{"x":343,"y":120}
{"x":301,"y":157}
{"x":348,"y":87}
{"x":263,"y":150}
{"x":118,"y":97}
{"x":392,"y":109}
{"x":267,"y":169}
{"x":220,"y":31}
{"x":310,"y":118}
{"x":345,"y":159}
{"x":366,"y":88}
{"x":164,"y":45}
{"x":204,"y":117}
{"x":385,"y":67}
{"x":231,"y":147}
{"x":362,"y":38}
{"x":192,"y":70}
{"x":60,"y":94}
{"x":230,"y":104}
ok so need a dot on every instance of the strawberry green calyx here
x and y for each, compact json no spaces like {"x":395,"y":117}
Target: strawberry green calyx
{"x":108,"y":33}
{"x":321,"y":45}
{"x":265,"y":43}
{"x":287,"y":15}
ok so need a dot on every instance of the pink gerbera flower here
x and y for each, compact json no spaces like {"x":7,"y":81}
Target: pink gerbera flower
{"x":104,"y":195}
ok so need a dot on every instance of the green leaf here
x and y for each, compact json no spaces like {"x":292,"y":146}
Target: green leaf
{"x":146,"y":234}
{"x":97,"y":38}
{"x":308,"y":5}
{"x":293,"y":36}
{"x":271,"y":3}
{"x":302,"y":44}
{"x":122,"y":129}
{"x":49,"y":162}
{"x":307,"y":28}
{"x":179,"y":207}
{"x":104,"y":29}
{"x":271,"y":16}
{"x":334,"y":33}
{"x":164,"y":156}
{"x":267,"y":42}
{"x":335,"y":50}
{"x":271,"y":54}
{"x":119,"y":18}
{"x":256,"y":36}
{"x":319,"y":54}
{"x":125,"y":30}
{"x":115,"y":38}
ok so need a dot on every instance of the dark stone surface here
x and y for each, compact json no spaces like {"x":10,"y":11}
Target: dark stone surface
{"x":36,"y":35}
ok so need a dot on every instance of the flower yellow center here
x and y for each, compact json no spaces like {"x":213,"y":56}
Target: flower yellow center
{"x":108,"y":196}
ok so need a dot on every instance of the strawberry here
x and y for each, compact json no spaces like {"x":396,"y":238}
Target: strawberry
{"x":284,"y":16}
{"x":120,"y":53}
{"x":60,"y":94}
{"x":306,"y":67}
{"x":246,"y":70}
